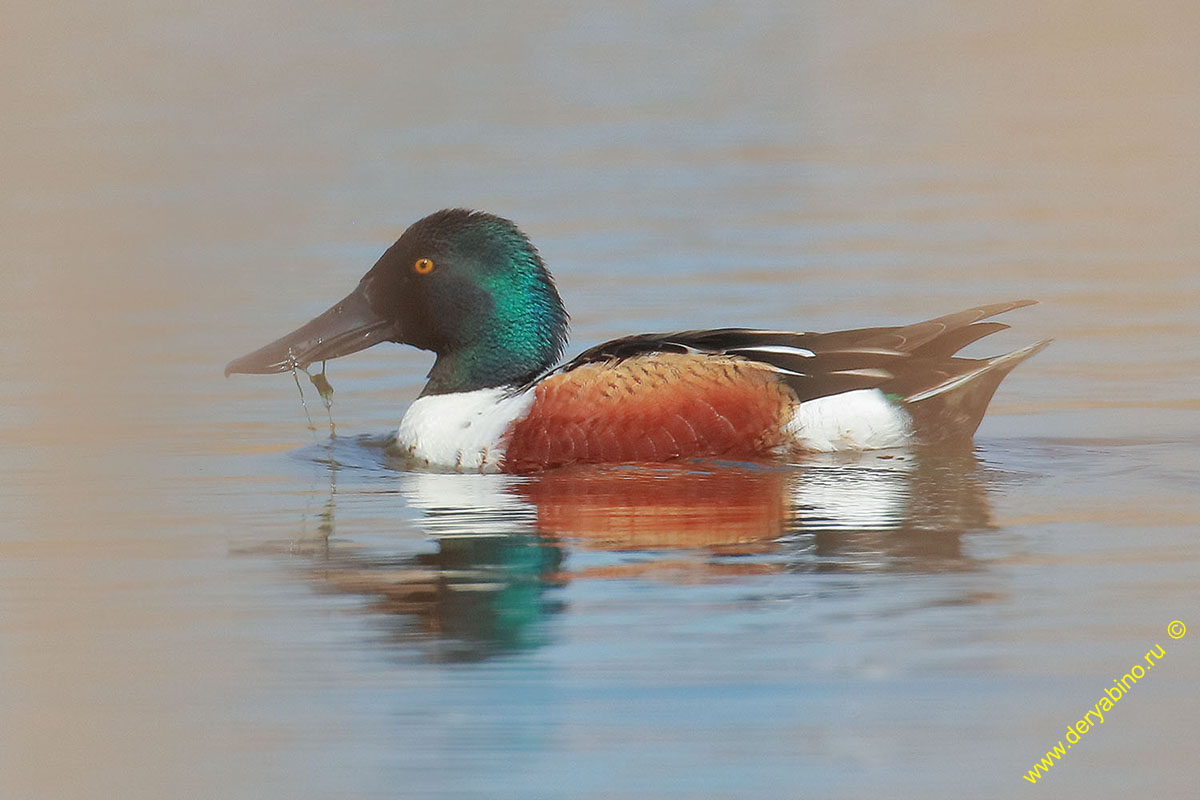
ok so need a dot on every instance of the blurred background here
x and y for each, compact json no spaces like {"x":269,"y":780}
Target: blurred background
{"x":202,"y":597}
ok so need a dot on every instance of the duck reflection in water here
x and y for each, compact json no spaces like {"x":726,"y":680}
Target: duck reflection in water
{"x":503,"y":545}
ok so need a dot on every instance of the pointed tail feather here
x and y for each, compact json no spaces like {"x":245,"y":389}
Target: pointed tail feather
{"x":950,"y":411}
{"x":925,"y":337}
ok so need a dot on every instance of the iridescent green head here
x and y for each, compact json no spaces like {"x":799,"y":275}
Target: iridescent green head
{"x":467,"y":285}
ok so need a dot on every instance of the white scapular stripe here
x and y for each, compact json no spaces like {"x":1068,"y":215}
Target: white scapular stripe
{"x":462,"y":431}
{"x":862,"y":419}
{"x":781,"y":349}
{"x":865,"y":372}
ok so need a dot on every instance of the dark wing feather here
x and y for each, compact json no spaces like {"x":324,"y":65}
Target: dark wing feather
{"x":910,"y":338}
{"x":951,"y":342}
{"x":903,"y":359}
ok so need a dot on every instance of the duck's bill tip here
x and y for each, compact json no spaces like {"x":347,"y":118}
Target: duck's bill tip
{"x":257,"y":363}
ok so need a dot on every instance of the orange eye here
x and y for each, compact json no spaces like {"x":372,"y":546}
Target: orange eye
{"x":424,"y":266}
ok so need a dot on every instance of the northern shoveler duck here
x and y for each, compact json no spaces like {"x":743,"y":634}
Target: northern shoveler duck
{"x":472,"y":288}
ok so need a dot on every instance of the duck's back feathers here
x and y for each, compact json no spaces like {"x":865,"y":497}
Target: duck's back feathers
{"x":904,"y":360}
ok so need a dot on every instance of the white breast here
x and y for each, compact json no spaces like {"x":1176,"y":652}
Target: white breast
{"x":461,"y":431}
{"x":859,"y":420}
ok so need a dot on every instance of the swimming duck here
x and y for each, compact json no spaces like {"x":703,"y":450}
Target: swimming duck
{"x":472,"y":288}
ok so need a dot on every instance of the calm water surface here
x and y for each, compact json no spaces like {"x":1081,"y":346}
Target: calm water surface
{"x":200,"y":597}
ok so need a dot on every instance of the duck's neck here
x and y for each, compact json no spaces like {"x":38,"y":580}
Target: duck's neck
{"x":510,"y":346}
{"x":482,"y":368}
